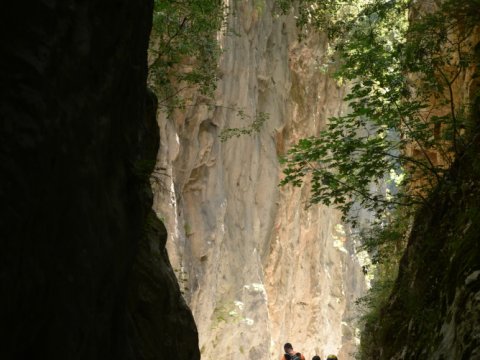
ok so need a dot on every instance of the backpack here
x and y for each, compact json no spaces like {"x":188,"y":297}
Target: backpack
{"x":296,"y":356}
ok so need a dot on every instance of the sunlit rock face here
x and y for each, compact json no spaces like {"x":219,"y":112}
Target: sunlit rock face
{"x":256,"y":267}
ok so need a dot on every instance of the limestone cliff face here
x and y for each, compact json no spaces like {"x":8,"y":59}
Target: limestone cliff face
{"x":76,"y":142}
{"x":256,"y":267}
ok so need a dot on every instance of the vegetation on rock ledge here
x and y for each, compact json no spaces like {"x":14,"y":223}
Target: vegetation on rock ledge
{"x":184,"y":49}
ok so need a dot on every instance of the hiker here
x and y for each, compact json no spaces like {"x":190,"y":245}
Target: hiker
{"x":332,"y":357}
{"x":290,"y":354}
{"x":316,"y":357}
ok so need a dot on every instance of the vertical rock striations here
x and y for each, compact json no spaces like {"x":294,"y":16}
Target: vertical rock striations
{"x":256,"y":267}
{"x":76,"y":149}
{"x":162,"y":322}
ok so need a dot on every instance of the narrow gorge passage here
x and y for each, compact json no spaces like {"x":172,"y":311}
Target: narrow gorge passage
{"x":256,"y":267}
{"x":204,"y":179}
{"x":256,"y":264}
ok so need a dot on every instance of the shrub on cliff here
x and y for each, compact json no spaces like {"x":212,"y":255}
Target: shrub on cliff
{"x":405,"y":124}
{"x":184,"y":50}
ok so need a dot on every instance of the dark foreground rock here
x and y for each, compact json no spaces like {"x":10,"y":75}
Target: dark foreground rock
{"x":76,"y":148}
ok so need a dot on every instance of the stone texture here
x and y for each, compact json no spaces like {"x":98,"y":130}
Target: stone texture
{"x":76,"y":148}
{"x":434,"y":309}
{"x":161,"y":320}
{"x":163,"y":323}
{"x":256,"y":267}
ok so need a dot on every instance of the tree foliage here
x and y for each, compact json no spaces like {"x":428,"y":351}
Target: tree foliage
{"x":404,"y":118}
{"x":255,"y":124}
{"x":407,"y":124}
{"x":183,"y":57}
{"x":184,"y":49}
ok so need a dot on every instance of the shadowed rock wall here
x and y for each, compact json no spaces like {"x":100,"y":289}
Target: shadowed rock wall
{"x":434,"y":309}
{"x":75,"y":154}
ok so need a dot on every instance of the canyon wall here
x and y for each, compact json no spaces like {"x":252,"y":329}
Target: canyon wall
{"x":255,"y":265}
{"x":78,"y":140}
{"x":434,"y":309}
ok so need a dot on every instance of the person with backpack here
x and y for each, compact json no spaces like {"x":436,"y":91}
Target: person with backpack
{"x":290,"y":354}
